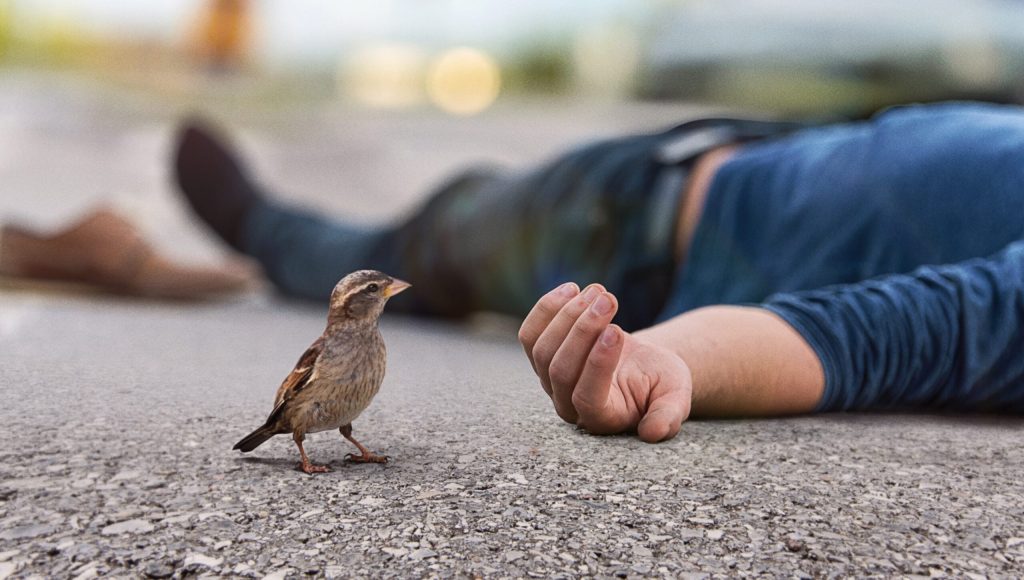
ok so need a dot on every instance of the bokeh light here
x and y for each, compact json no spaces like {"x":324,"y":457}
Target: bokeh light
{"x":385,"y":76}
{"x":464,"y":81}
{"x":607,"y":59}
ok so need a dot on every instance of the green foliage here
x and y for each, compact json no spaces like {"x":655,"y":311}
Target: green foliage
{"x":6,"y":27}
{"x":542,"y":67}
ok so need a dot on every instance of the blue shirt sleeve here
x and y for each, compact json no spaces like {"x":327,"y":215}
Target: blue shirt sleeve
{"x":942,"y":337}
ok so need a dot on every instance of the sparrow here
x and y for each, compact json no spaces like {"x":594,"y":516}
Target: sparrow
{"x":337,"y":377}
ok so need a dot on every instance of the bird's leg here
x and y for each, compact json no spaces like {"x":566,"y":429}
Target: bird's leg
{"x":306,"y":465}
{"x":367,"y":455}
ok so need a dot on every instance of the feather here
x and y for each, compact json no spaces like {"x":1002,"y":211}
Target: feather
{"x":300,"y":375}
{"x":255,"y":439}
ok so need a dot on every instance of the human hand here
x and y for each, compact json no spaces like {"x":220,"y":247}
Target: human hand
{"x":598,"y":376}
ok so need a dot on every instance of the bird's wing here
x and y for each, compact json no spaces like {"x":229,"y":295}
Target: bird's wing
{"x":298,"y":378}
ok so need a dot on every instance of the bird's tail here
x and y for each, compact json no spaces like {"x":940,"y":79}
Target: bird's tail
{"x":255,"y":439}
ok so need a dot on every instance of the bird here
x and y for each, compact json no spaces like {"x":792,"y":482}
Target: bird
{"x":339,"y":374}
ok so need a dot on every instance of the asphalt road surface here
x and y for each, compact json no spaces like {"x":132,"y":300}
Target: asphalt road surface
{"x":118,"y":416}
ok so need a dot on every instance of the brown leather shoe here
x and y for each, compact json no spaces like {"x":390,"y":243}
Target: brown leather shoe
{"x":105,"y":251}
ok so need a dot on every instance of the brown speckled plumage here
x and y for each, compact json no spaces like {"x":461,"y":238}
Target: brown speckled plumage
{"x":339,"y":374}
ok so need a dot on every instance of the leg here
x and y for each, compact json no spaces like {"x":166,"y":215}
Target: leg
{"x":105,"y":251}
{"x":305,"y":464}
{"x":485,"y":241}
{"x":365,"y":456}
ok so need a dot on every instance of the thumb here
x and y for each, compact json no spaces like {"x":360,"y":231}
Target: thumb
{"x":670,"y":406}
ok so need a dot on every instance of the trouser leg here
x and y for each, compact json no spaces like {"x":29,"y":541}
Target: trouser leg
{"x":485,"y":241}
{"x":304,"y":253}
{"x":494,"y":241}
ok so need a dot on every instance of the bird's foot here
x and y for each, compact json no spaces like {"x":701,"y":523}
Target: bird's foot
{"x":367,"y":457}
{"x":312,"y":468}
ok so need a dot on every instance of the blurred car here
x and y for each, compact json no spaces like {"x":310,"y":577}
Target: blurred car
{"x":848,"y":57}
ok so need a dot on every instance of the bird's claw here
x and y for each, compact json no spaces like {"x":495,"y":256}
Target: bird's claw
{"x":366,"y":458}
{"x":312,"y":468}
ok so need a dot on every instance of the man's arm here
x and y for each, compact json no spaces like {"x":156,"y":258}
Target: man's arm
{"x":744,"y":361}
{"x":941,"y":337}
{"x":737,"y":361}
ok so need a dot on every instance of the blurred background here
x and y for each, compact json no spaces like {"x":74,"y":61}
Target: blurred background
{"x":848,"y":57}
{"x":359,"y":106}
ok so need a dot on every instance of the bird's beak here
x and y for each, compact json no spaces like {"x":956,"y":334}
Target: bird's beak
{"x":396,"y":287}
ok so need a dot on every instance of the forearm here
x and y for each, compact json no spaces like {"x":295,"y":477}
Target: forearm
{"x":744,"y":361}
{"x":942,"y":337}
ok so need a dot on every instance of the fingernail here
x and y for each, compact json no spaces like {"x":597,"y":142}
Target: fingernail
{"x":610,"y":337}
{"x":567,"y":290}
{"x":603,"y":305}
{"x":590,"y":293}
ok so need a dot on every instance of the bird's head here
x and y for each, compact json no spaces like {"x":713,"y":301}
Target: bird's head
{"x":361,"y":295}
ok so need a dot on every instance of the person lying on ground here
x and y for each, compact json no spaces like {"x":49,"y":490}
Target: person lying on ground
{"x":732,"y":267}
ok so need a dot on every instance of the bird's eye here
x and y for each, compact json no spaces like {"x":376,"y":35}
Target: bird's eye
{"x":372,"y":288}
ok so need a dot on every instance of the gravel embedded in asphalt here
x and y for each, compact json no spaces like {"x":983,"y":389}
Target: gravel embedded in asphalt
{"x":121,"y":416}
